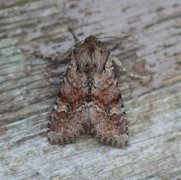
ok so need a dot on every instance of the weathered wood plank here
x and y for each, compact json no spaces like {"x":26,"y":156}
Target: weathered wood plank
{"x":27,"y":95}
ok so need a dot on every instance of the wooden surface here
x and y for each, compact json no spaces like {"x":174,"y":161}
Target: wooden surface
{"x":27,"y":93}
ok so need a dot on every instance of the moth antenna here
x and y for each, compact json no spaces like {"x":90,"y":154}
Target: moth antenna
{"x":73,"y":35}
{"x":125,"y":38}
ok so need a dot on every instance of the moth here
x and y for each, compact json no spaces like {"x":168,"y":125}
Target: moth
{"x":89,"y":99}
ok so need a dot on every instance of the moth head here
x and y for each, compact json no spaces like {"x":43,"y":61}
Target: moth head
{"x":91,"y":55}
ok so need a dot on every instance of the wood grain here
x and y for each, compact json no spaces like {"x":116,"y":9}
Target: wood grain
{"x":27,"y":93}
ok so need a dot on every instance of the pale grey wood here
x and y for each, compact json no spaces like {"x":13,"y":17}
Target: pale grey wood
{"x":27,"y":95}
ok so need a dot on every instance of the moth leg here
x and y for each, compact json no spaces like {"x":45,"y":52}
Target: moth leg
{"x":53,"y":56}
{"x":39,"y":54}
{"x":120,"y":65}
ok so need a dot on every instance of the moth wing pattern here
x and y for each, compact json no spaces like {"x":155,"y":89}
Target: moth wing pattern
{"x":89,"y":100}
{"x":69,"y":113}
{"x":65,"y":131}
{"x":107,"y":115}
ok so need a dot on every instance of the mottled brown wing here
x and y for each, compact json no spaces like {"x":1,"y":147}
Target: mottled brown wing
{"x":69,"y":113}
{"x":107,"y":112}
{"x":109,"y":129}
{"x":66,"y":127}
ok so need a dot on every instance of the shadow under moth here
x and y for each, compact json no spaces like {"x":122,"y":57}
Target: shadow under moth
{"x":89,"y":99}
